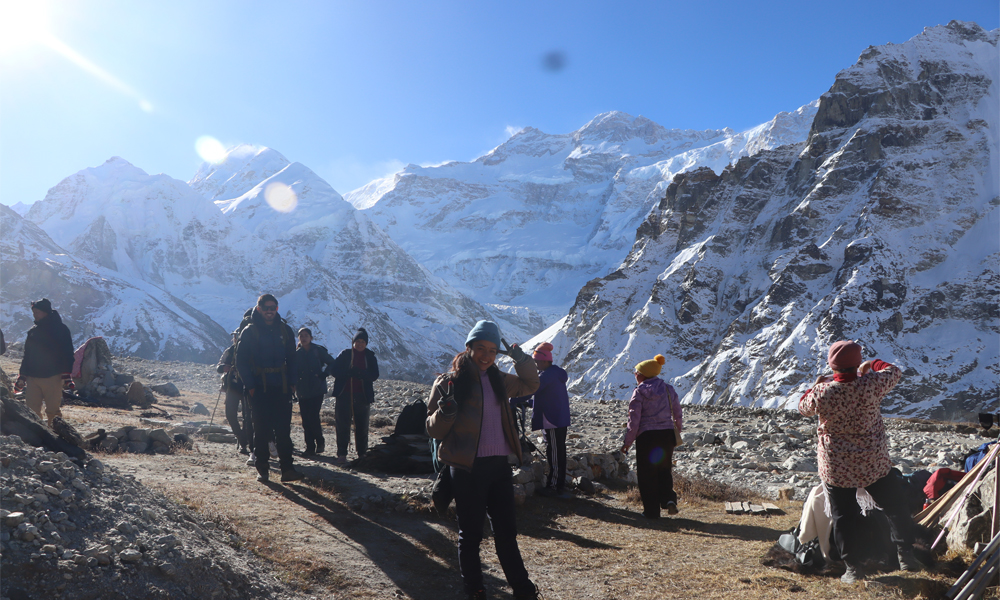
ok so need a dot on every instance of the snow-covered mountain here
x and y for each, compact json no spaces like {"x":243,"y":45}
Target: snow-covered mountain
{"x":531,"y":222}
{"x":134,"y":317}
{"x":883,"y":227}
{"x":330,"y":267}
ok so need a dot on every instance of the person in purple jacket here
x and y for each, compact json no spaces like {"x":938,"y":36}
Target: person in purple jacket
{"x":653,"y":413}
{"x":550,"y":413}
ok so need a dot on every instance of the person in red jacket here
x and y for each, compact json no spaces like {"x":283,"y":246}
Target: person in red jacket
{"x":853,"y":451}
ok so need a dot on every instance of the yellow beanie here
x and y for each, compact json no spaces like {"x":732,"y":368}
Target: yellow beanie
{"x":651,"y":368}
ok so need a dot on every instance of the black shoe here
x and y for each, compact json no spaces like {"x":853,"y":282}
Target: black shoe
{"x":320,"y":446}
{"x":308,"y":452}
{"x":907,"y":562}
{"x":671,"y":508}
{"x":244,"y":450}
{"x":263,"y":475}
{"x":290,"y":475}
{"x":651,"y":515}
{"x":534,"y":595}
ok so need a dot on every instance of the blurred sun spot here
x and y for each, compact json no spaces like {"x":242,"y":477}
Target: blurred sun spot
{"x":281,"y":197}
{"x":210,"y":149}
{"x":22,"y":24}
{"x":146,"y":106}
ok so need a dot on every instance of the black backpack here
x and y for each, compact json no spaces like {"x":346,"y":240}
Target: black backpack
{"x":412,"y":419}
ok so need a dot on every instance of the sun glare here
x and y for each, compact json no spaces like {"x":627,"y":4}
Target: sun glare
{"x":281,"y":197}
{"x":23,"y":23}
{"x":210,"y":149}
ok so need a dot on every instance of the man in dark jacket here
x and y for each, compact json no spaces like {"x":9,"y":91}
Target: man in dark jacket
{"x":355,"y":371}
{"x":314,"y":364}
{"x":233,"y":387}
{"x":47,"y":361}
{"x":265,"y":358}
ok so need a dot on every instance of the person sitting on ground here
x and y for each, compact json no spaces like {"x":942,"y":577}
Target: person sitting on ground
{"x":233,"y":388}
{"x":355,"y":371}
{"x":550,"y":413}
{"x":654,"y":414}
{"x":853,"y":452}
{"x":476,"y":427}
{"x":314,"y":363}
{"x":265,"y":358}
{"x":47,"y":361}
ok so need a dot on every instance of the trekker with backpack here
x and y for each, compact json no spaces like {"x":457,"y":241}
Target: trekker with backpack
{"x":355,"y":371}
{"x":550,"y":413}
{"x":47,"y":362}
{"x":314,"y":363}
{"x":853,"y":453}
{"x":469,"y":411}
{"x":654,"y":424}
{"x":233,"y":388}
{"x":265,"y":358}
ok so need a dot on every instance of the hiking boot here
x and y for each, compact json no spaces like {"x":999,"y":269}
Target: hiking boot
{"x":907,"y":562}
{"x":852,"y":575}
{"x":244,"y":450}
{"x":263,"y":475}
{"x":341,"y":460}
{"x":252,"y":460}
{"x":273,"y":449}
{"x":290,"y":475}
{"x":671,"y":508}
{"x":308,"y":452}
{"x":320,"y":446}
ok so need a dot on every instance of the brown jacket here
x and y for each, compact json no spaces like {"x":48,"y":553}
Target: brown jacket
{"x":459,"y":433}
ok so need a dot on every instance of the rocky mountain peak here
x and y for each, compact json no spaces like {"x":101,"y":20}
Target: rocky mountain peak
{"x":243,"y":167}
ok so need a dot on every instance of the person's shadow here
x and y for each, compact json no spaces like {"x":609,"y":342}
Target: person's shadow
{"x":417,"y":556}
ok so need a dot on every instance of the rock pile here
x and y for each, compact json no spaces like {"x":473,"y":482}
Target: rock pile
{"x":98,"y":382}
{"x":73,"y":529}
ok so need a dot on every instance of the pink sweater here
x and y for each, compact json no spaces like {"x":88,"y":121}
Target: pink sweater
{"x":654,"y":405}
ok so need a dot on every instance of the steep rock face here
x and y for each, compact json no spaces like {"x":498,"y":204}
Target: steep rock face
{"x":882,"y":228}
{"x":133,"y":317}
{"x":533,"y":220}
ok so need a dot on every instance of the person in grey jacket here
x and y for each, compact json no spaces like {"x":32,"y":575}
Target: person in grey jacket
{"x":314,"y":364}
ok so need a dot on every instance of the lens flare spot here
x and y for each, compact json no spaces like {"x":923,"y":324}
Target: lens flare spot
{"x":210,"y":149}
{"x":146,"y":106}
{"x":656,"y":456}
{"x":281,"y":197}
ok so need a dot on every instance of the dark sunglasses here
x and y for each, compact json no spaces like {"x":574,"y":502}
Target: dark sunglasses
{"x":269,"y":307}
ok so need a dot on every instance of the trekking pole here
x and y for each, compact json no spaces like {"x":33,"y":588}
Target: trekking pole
{"x":212,"y":420}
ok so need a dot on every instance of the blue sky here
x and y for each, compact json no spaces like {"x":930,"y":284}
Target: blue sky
{"x":355,"y":90}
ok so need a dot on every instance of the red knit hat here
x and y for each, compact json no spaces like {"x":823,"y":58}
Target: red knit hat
{"x":844,"y":356}
{"x":543,"y":352}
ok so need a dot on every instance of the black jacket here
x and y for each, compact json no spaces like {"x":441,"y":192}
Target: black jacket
{"x":265,"y":355}
{"x":314,"y":366}
{"x":48,"y":349}
{"x":342,"y":374}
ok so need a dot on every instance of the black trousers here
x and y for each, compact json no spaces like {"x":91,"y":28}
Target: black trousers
{"x":847,"y":520}
{"x":344,"y":411}
{"x":234,"y":401}
{"x":488,"y":489}
{"x":309,"y":410}
{"x":654,"y":454}
{"x":555,"y":452}
{"x":272,"y":417}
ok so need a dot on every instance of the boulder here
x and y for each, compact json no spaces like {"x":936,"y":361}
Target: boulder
{"x":167,"y":389}
{"x":972,"y":525}
{"x":136,"y":394}
{"x":199,"y":409}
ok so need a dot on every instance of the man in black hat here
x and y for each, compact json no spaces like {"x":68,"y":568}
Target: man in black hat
{"x":355,"y":371}
{"x":265,"y":358}
{"x":47,"y":361}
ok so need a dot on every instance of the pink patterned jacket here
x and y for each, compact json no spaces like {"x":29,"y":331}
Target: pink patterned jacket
{"x":853,"y":449}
